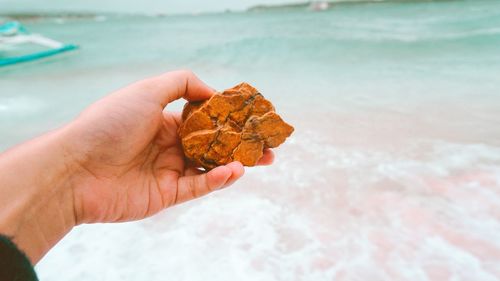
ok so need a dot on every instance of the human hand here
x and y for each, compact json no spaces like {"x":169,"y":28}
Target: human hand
{"x":130,"y":159}
{"x":120,"y":160}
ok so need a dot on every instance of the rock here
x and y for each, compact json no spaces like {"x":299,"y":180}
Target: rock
{"x":235,"y":125}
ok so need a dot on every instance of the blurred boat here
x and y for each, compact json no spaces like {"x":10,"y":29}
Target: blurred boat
{"x":319,"y":6}
{"x":14,"y":38}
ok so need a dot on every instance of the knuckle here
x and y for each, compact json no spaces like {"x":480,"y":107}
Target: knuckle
{"x":186,"y":73}
{"x":192,"y":187}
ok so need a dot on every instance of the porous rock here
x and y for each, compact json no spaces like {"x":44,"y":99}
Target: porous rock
{"x":235,"y":125}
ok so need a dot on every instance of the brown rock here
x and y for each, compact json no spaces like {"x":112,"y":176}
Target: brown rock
{"x":235,"y":125}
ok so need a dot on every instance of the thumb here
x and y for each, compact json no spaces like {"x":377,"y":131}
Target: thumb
{"x":191,"y":187}
{"x":174,"y":85}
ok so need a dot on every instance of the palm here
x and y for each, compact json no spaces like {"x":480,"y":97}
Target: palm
{"x":134,"y":154}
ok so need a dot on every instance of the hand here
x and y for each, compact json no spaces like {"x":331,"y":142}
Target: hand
{"x":120,"y":160}
{"x":132,"y":159}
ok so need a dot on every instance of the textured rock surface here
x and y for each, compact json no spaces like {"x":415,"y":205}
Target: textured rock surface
{"x":235,"y":125}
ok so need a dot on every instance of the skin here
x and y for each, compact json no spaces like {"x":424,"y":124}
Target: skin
{"x":120,"y":160}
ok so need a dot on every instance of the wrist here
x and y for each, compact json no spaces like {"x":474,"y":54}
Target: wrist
{"x":36,"y":193}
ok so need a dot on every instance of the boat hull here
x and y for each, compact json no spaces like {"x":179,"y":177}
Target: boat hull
{"x":36,"y":56}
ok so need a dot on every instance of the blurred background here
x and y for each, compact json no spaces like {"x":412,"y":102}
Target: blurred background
{"x":393,"y":172}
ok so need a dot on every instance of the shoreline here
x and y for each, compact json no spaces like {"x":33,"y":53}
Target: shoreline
{"x":303,"y":6}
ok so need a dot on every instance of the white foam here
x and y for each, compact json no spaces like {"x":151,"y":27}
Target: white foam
{"x":19,"y":106}
{"x":320,"y":213}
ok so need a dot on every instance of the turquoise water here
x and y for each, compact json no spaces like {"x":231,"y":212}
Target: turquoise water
{"x":393,"y":172}
{"x":359,"y":54}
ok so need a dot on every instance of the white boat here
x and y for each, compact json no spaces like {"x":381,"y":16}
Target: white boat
{"x":14,"y":35}
{"x":319,"y":6}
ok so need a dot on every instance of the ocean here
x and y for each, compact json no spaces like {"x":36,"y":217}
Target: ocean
{"x":393,"y":172}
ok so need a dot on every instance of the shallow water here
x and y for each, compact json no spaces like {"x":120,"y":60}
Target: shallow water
{"x":393,"y":172}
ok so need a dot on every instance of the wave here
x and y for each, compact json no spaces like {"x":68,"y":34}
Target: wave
{"x":316,"y":5}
